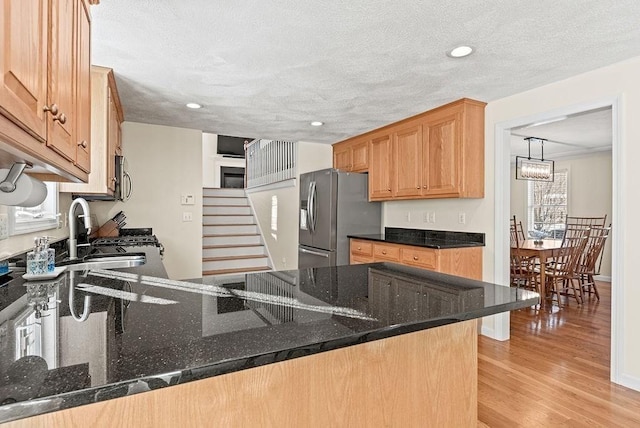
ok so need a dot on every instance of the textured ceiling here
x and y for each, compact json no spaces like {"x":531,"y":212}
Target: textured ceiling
{"x":266,"y":69}
{"x":579,"y":134}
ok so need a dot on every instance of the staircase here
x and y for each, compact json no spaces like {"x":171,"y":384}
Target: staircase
{"x":231,"y":241}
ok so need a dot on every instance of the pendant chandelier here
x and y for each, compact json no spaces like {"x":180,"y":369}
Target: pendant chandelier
{"x":528,"y":168}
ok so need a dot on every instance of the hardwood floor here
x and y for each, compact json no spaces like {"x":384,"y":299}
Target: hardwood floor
{"x":554,"y":371}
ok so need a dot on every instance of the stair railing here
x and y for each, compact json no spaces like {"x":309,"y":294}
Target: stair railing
{"x":270,"y":161}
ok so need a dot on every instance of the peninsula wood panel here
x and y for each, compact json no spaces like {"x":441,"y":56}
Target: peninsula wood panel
{"x":426,"y":378}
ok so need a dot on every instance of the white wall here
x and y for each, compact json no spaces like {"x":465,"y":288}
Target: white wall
{"x":589,"y":193}
{"x":212,"y":161}
{"x":283,"y":245}
{"x":165,"y":163}
{"x":619,"y":81}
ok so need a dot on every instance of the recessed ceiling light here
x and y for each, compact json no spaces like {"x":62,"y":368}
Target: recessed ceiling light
{"x":460,"y":51}
{"x":194,"y":105}
{"x":317,"y":123}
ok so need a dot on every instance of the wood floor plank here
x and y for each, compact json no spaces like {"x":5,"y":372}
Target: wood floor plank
{"x":554,"y":371}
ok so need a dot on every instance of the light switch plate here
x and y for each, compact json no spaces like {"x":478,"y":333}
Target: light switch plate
{"x":187,"y":216}
{"x":187,"y":199}
{"x":4,"y":226}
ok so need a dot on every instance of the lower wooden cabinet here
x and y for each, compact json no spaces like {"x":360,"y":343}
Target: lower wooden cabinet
{"x":465,"y":262}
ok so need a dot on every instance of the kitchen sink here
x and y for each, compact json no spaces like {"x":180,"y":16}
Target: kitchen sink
{"x":105,"y":261}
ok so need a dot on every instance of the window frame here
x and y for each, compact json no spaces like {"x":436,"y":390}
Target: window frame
{"x":35,"y":225}
{"x":552,"y":227}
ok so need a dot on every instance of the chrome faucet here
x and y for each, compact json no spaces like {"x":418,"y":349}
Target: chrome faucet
{"x":73,"y":241}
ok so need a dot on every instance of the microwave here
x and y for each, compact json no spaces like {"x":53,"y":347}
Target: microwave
{"x":123,"y":188}
{"x":124,"y":184}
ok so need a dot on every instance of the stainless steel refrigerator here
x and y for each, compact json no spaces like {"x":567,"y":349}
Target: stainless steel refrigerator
{"x":333,"y":204}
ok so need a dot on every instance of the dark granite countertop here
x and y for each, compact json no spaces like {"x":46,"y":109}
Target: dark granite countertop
{"x":438,"y":239}
{"x":132,"y":330}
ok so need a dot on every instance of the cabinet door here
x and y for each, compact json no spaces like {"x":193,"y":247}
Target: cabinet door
{"x":83,"y":87}
{"x":407,"y":158}
{"x":23,"y":63}
{"x":113,"y":133}
{"x":360,"y":156}
{"x":380,"y":168}
{"x":60,"y":131}
{"x":440,"y":150}
{"x":342,"y":157}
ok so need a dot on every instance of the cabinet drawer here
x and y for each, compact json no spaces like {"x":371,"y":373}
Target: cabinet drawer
{"x":362,"y":248}
{"x":385,"y":252}
{"x":422,"y":257}
{"x":359,"y":260}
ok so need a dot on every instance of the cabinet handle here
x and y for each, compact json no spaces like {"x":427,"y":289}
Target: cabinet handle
{"x":62,"y":118}
{"x":415,"y":257}
{"x":418,"y":187}
{"x":83,"y":144}
{"x":53,"y":109}
{"x":113,"y":179}
{"x":384,"y":253}
{"x":389,"y":189}
{"x":424,"y":186}
{"x":359,"y":248}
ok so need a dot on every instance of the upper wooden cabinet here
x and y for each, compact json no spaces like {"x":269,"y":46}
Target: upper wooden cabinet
{"x":45,"y":43}
{"x":83,"y":88}
{"x":351,"y":155}
{"x":380,"y":168}
{"x":436,"y":154}
{"x":106,"y":136}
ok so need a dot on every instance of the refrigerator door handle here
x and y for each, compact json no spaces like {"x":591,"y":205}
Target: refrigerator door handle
{"x":314,"y":208}
{"x":309,"y":207}
{"x":314,"y":253}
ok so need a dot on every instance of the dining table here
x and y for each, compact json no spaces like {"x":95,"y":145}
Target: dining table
{"x":543,"y":251}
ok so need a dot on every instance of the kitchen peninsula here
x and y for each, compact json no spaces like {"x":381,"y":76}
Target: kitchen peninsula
{"x":371,"y":344}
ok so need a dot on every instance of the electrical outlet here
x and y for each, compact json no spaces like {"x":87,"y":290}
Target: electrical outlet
{"x":432,"y":217}
{"x":462,"y":218}
{"x":187,"y":216}
{"x":4,"y":226}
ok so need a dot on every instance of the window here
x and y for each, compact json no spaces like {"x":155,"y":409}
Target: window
{"x":547,"y":210}
{"x":41,"y":217}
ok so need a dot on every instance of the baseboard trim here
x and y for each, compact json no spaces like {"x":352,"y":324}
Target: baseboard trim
{"x":628,"y":381}
{"x":602,"y":278}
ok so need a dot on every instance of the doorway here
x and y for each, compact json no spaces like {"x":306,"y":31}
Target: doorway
{"x":502,"y":153}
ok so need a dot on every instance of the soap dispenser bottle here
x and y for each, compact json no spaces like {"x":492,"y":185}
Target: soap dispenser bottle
{"x":38,"y":259}
{"x":51,"y":255}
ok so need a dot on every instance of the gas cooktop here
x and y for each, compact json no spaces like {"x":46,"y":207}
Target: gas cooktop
{"x":130,"y":238}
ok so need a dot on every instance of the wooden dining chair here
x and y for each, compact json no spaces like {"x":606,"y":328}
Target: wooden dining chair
{"x":561,"y":278}
{"x":517,"y":226}
{"x":589,"y":264}
{"x":522,"y":267}
{"x":585,"y":222}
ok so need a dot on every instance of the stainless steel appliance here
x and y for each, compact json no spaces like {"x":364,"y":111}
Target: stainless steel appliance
{"x":124,"y":185}
{"x":333,"y":204}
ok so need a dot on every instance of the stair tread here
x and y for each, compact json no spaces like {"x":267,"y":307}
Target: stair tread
{"x":230,"y":234}
{"x":209,"y":247}
{"x":231,"y":224}
{"x":227,"y":215}
{"x":217,"y":259}
{"x":238,"y":270}
{"x":218,"y":205}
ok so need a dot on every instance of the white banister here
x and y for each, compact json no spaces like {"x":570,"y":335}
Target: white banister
{"x":270,"y":161}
